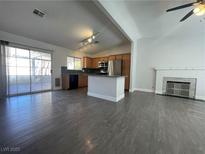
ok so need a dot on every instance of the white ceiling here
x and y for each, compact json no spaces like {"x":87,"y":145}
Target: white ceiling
{"x":152,"y":20}
{"x":65,"y":23}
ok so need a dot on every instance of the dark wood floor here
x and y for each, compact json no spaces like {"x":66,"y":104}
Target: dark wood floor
{"x":71,"y":122}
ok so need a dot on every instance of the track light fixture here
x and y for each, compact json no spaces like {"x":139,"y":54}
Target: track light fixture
{"x":89,"y":40}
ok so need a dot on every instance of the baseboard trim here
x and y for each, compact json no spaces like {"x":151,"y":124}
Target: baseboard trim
{"x":144,"y":90}
{"x":200,"y":98}
{"x":109,"y":98}
{"x":158,"y":92}
{"x":131,"y":90}
{"x":120,"y":97}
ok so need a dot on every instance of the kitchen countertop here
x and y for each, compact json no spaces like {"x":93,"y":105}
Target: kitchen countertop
{"x":111,"y":76}
{"x":65,"y":71}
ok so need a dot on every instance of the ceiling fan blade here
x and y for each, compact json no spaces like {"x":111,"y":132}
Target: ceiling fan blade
{"x":187,"y":15}
{"x":181,"y":7}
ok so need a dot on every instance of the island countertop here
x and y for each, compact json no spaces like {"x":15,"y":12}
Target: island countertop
{"x":110,"y":76}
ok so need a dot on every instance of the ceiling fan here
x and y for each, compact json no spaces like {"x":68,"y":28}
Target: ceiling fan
{"x":199,"y":9}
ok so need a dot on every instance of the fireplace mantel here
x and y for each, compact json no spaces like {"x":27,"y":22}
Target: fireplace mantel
{"x":178,"y":68}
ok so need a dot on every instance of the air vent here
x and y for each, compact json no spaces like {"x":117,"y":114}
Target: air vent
{"x":38,"y":13}
{"x":57,"y":82}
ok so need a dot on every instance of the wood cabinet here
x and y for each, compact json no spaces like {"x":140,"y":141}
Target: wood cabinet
{"x":95,"y":62}
{"x":91,"y":62}
{"x":126,"y":69}
{"x":82,"y":80}
{"x":118,"y":57}
{"x":87,"y":62}
{"x":65,"y":82}
{"x":104,"y":59}
{"x":112,"y":57}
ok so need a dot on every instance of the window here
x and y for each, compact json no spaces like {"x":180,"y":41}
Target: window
{"x":74,"y":63}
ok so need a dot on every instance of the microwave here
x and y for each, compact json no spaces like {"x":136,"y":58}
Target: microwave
{"x":102,"y":64}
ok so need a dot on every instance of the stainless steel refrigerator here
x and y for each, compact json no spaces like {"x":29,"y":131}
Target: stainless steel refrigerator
{"x":115,"y":67}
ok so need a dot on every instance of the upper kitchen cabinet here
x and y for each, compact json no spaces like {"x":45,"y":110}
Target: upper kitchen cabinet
{"x":87,"y":62}
{"x":104,"y":59}
{"x":92,"y":62}
{"x":95,"y":62}
{"x":112,"y":57}
{"x":118,"y":57}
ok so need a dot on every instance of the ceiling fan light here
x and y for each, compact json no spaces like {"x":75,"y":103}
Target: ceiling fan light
{"x":196,"y":10}
{"x":199,"y":10}
{"x":90,"y":40}
{"x":202,"y":12}
{"x":93,"y":37}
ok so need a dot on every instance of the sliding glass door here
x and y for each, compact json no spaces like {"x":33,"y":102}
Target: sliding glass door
{"x":40,"y":71}
{"x":27,"y":71}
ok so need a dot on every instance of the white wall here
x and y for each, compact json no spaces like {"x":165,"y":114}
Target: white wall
{"x":59,"y":53}
{"x":122,"y":49}
{"x":120,"y":15}
{"x":119,"y":12}
{"x":173,"y":51}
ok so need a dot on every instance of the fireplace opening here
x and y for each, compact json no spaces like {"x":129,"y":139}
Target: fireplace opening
{"x":181,"y":87}
{"x":178,"y":88}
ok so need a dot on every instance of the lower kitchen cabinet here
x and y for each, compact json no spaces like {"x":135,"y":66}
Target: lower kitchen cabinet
{"x":82,"y":80}
{"x":67,"y":83}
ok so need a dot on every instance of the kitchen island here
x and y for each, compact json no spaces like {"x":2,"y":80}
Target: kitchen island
{"x":106,"y":87}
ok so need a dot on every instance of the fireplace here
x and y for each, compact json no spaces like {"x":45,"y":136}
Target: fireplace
{"x":182,"y":87}
{"x":194,"y":76}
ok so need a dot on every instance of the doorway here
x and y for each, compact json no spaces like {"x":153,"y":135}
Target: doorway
{"x":28,"y":71}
